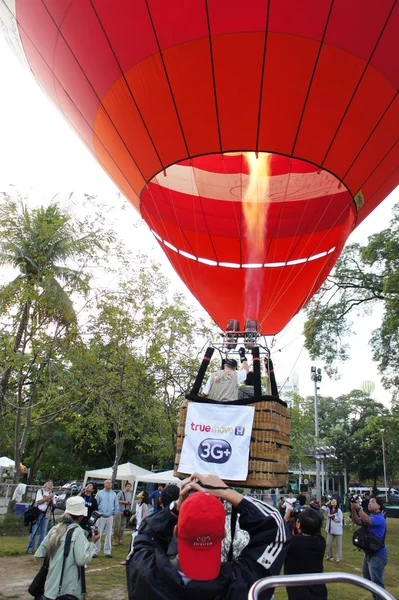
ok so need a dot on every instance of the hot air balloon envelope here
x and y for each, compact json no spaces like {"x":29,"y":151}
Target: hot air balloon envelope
{"x":367,"y":387}
{"x":252,"y":136}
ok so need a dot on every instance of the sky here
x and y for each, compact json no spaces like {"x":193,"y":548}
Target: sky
{"x":41,"y":156}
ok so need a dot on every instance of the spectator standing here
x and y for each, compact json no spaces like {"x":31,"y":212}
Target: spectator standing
{"x":169,"y":494}
{"x":289,"y":502}
{"x":199,"y":523}
{"x":142,"y":510}
{"x":155,"y":497}
{"x":44,"y":500}
{"x":305,"y":555}
{"x":365,"y":502}
{"x":108,"y":506}
{"x":334,"y":528}
{"x":373,"y":564}
{"x":125,"y":499}
{"x":80,"y":554}
{"x":90,"y":501}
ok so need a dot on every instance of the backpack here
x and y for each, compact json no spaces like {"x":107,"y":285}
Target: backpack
{"x":367,"y":541}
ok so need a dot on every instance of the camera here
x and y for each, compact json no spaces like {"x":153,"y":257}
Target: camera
{"x":90,"y":525}
{"x":297,"y":508}
{"x":354,"y":499}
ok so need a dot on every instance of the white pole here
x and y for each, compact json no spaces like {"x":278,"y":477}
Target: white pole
{"x":316,"y":431}
{"x":384,"y":465}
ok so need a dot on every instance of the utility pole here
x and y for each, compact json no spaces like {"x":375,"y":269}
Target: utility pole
{"x":315,"y":375}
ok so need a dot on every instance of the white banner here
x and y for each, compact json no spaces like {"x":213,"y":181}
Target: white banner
{"x":217,"y":440}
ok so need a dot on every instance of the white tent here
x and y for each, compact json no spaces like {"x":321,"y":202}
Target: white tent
{"x":5,"y":462}
{"x":163,"y":477}
{"x":133,"y":474}
{"x":126,"y":472}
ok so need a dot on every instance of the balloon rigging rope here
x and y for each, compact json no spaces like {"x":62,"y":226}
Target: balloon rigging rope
{"x":307,"y":333}
{"x":299,"y":272}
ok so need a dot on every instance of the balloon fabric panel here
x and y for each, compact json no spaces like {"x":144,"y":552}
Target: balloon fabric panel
{"x":253,"y":135}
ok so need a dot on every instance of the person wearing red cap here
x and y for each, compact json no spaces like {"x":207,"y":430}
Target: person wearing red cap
{"x":198,"y":521}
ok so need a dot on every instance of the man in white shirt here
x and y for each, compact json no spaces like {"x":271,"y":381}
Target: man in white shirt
{"x":289,"y":502}
{"x":44,"y":499}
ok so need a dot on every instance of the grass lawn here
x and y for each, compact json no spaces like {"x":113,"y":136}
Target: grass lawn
{"x":106,"y":577}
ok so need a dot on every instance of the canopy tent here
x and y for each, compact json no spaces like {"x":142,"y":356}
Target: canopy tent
{"x":8,"y":463}
{"x":134,"y":474}
{"x":163,"y":477}
{"x":126,"y":472}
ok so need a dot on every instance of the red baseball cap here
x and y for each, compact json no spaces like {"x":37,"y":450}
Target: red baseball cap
{"x":200,"y":532}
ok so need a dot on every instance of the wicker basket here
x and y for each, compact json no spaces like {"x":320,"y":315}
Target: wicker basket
{"x":269,"y":450}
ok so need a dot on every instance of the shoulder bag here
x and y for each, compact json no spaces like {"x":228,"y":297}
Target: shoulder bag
{"x":367,"y":541}
{"x":126,"y":512}
{"x":32,"y":513}
{"x":36,"y":588}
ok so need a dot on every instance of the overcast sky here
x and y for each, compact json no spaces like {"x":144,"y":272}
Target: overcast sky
{"x":40,"y":155}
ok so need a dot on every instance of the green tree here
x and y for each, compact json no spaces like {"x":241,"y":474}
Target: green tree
{"x":138,"y":361}
{"x":365,"y":276}
{"x":38,"y":320}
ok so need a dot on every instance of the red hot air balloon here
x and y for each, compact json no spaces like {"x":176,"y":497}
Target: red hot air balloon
{"x":251,"y":135}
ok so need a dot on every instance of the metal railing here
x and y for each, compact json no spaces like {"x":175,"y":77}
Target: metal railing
{"x":314,"y":579}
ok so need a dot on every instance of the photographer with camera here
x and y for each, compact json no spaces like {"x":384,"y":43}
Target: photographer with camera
{"x":87,"y":494}
{"x":375,"y":552}
{"x":306,"y":554}
{"x":65,"y":575}
{"x":334,"y":528}
{"x":44,"y":502}
{"x":198,"y":520}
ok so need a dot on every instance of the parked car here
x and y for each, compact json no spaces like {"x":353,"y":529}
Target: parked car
{"x":393,"y":496}
{"x":73,"y":486}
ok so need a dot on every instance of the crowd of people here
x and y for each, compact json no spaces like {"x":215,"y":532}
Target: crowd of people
{"x":175,"y":549}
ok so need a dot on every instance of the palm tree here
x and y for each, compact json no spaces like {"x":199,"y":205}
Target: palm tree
{"x":38,"y":242}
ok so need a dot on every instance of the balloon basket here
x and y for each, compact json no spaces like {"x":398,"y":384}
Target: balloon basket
{"x":269,"y":449}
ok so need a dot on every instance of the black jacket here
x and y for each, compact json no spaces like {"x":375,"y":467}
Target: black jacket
{"x":305,"y":555}
{"x":151,"y":575}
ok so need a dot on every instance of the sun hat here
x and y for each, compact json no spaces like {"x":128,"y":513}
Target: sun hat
{"x":76,"y":506}
{"x":200,"y":532}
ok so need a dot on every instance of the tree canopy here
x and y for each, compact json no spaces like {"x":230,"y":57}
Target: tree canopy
{"x":364,"y":277}
{"x":98,"y":371}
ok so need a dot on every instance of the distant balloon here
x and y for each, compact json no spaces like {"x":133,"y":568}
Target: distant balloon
{"x":252,"y":135}
{"x":367,"y":387}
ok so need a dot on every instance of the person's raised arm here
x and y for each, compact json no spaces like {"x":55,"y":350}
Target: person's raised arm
{"x":359,"y":516}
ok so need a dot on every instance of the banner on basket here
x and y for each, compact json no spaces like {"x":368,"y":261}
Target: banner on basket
{"x":217,"y":440}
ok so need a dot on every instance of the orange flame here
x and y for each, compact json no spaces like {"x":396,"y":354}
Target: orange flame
{"x":255,"y":208}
